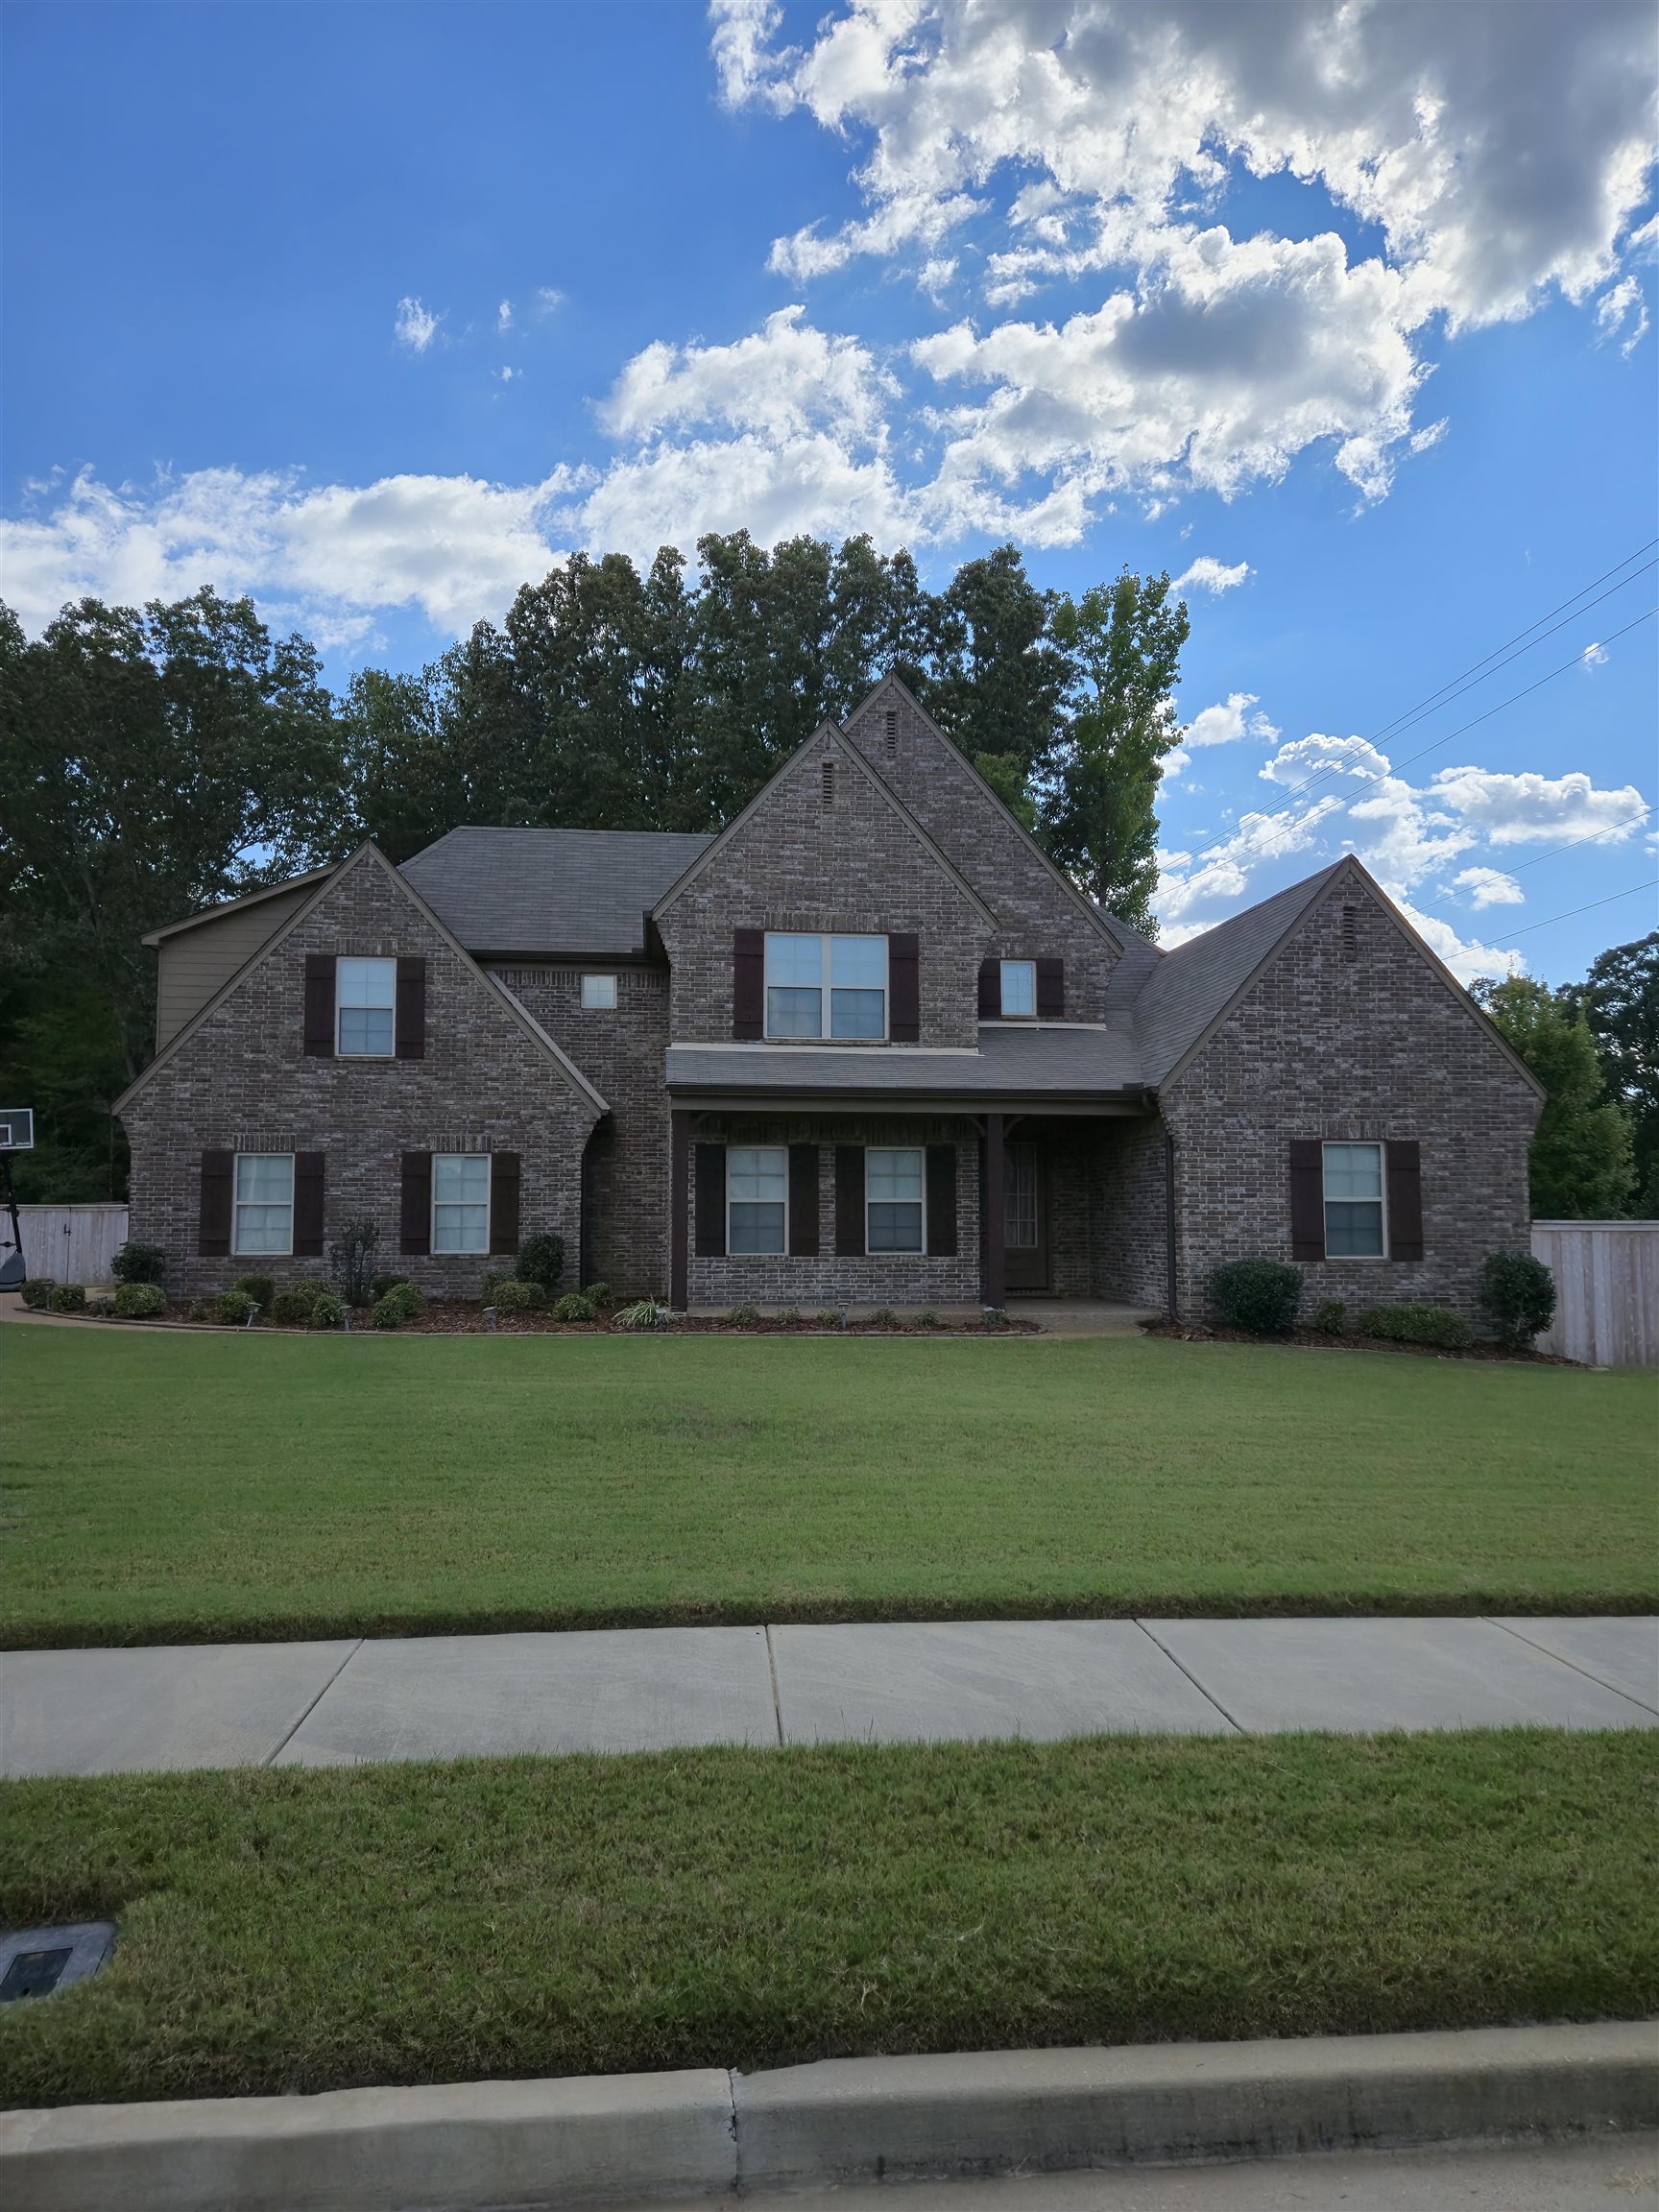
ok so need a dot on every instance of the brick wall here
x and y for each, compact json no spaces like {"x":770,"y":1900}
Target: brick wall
{"x":1128,"y":1208}
{"x":1362,"y":1046}
{"x":244,"y":1083}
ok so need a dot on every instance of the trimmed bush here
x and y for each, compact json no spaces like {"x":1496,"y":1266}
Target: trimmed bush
{"x":828,"y":1316}
{"x":882,"y":1317}
{"x":491,"y":1279}
{"x":201,"y":1310}
{"x":515,"y":1297}
{"x":291,"y":1309}
{"x":380,"y":1285}
{"x":68,"y":1298}
{"x":574,"y":1307}
{"x":139,"y":1263}
{"x":387,"y":1313}
{"x":139,"y":1300}
{"x":790,"y":1315}
{"x":261,"y":1288}
{"x":1261,"y":1296}
{"x":927,"y":1318}
{"x":541,"y":1262}
{"x":1518,"y":1291}
{"x":645,"y":1313}
{"x":37,"y":1292}
{"x":233,"y":1307}
{"x":407,"y":1300}
{"x":327,"y":1311}
{"x":1330,"y":1317}
{"x":744,"y":1317}
{"x":601,"y":1293}
{"x":1415,"y":1323}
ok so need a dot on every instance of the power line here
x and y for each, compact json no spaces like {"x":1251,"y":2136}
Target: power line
{"x":1612,"y":897}
{"x":1521,"y":866}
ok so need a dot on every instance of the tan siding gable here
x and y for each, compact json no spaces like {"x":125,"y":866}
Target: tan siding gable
{"x":193,"y":963}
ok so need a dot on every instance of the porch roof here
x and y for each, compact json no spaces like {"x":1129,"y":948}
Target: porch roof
{"x":1026,"y":1061}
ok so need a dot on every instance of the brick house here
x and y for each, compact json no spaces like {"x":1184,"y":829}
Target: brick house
{"x":867,"y":1044}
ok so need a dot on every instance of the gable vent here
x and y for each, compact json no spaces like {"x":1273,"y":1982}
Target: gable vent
{"x":1350,"y":932}
{"x":892,"y":733}
{"x":826,"y":770}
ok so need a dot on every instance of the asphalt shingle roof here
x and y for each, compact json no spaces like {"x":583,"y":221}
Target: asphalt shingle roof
{"x":585,"y":892}
{"x":1034,"y":1061}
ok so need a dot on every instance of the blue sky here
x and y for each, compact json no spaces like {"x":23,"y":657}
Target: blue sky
{"x":373,"y":311}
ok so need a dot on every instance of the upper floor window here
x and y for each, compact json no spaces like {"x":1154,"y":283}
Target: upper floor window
{"x":599,"y":991}
{"x":1018,"y":990}
{"x":365,"y":1000}
{"x":757,"y":1197}
{"x":264,"y":1216}
{"x":461,"y":1202}
{"x":1353,"y":1202}
{"x":826,"y":986}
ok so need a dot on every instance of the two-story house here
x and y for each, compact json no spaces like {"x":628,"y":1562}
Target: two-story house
{"x":867,"y":1044}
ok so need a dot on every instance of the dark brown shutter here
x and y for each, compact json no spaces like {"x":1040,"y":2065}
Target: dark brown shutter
{"x":903,"y":990}
{"x":848,"y":1201}
{"x":1050,"y":990}
{"x":320,"y":1005}
{"x":748,"y":987}
{"x":308,"y":1205}
{"x":214,"y":1226}
{"x":708,"y":1224}
{"x":1404,"y":1199}
{"x":804,"y":1201}
{"x":504,"y":1203}
{"x":990,"y":990}
{"x":410,"y":1018}
{"x":942,"y":1200}
{"x":1307,"y":1199}
{"x":416,"y":1217}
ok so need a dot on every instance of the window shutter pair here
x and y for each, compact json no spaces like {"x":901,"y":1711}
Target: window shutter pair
{"x":409,"y":1007}
{"x":1050,"y":990}
{"x":217,"y":1201}
{"x":415,"y":1226}
{"x":1403,"y":1170}
{"x":939,"y":1234}
{"x":709,"y":1201}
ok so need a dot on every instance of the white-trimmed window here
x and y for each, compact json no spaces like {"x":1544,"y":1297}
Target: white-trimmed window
{"x":893,"y":1186}
{"x":810,"y":977}
{"x":1018,"y":990}
{"x":365,"y":999}
{"x":599,"y":993}
{"x":756,"y":1198}
{"x":264,"y":1219}
{"x":1353,"y":1226}
{"x":461,"y":1202}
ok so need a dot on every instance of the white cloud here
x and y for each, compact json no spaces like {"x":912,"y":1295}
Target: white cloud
{"x":1488,"y":887}
{"x":1595,"y":654}
{"x":1208,"y":574}
{"x":1530,"y":809}
{"x":1226,"y":723}
{"x":504,"y":316}
{"x":1467,"y":957}
{"x":415,"y":325}
{"x":783,"y":381}
{"x":1617,"y":310}
{"x":549,"y":300}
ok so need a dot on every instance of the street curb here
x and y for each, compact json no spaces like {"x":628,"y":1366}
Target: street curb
{"x":631,"y":2138}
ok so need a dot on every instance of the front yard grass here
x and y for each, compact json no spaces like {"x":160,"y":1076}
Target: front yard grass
{"x":293,"y":1931}
{"x":176,"y":1487}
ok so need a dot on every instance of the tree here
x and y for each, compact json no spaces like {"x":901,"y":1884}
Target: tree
{"x":1125,"y":643}
{"x":999,"y":677}
{"x":1580,"y":1162}
{"x":1620,"y":1000}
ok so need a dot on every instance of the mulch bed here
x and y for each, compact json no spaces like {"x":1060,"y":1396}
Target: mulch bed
{"x":461,"y":1317}
{"x":1316,"y":1340}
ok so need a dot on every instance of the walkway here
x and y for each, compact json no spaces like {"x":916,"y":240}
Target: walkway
{"x":650,"y":1688}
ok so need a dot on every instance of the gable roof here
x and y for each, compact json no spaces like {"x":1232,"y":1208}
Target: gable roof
{"x":365,"y":854}
{"x":580,"y":892}
{"x":248,"y":898}
{"x":831,"y":733}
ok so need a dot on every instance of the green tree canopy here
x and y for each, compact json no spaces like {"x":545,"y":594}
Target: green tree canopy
{"x":1620,"y":1001}
{"x":1581,"y":1166}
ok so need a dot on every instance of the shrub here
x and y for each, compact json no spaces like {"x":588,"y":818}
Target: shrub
{"x":327,"y":1311}
{"x":1261,"y":1296}
{"x":351,"y":1260}
{"x":574,"y":1307}
{"x":541,"y":1262}
{"x":882,"y":1317}
{"x":387,"y":1313}
{"x":927,"y":1318}
{"x":1519,"y":1293}
{"x":201,"y":1310}
{"x":68,"y":1298}
{"x":1330,"y":1317}
{"x":828,"y":1316}
{"x":407,"y":1300}
{"x":601,"y":1293}
{"x":789,"y":1315}
{"x":292,"y":1307}
{"x":515,"y":1297}
{"x":233,"y":1306}
{"x":139,"y":1263}
{"x":261,"y":1288}
{"x":139,"y":1299}
{"x":491,"y":1281}
{"x":38,"y":1291}
{"x":102,"y":1308}
{"x":643,"y":1313}
{"x":379,"y":1285}
{"x":1416,"y":1323}
{"x":744,"y":1317}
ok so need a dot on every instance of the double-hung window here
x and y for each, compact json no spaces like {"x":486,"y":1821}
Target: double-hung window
{"x":826,"y":986}
{"x":893,"y":1200}
{"x":461,"y":1202}
{"x":1018,"y":990}
{"x":1353,"y":1202}
{"x":264,"y":1202}
{"x":365,"y":996}
{"x":757,"y":1197}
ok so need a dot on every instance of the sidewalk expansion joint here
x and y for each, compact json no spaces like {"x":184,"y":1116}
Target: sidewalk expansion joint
{"x":772,"y":1670}
{"x":1208,"y":1695}
{"x":1601,"y":1680}
{"x":284,"y":1740}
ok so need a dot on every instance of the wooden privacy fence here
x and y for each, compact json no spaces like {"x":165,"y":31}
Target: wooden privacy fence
{"x":69,"y":1243}
{"x":1606,"y":1290}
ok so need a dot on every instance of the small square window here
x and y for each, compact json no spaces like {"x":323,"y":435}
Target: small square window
{"x":893,"y":1201}
{"x":461,"y":1202}
{"x":756,"y":1198}
{"x":264,"y":1203}
{"x":599,"y":991}
{"x":365,"y":994}
{"x":1018,"y":990}
{"x":1353,"y":1202}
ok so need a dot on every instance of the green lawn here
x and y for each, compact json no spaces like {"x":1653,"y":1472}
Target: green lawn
{"x":294,"y":1931}
{"x":171,"y":1486}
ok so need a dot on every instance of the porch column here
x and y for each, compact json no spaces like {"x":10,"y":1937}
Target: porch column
{"x":679,"y":1177}
{"x":995,"y":1268}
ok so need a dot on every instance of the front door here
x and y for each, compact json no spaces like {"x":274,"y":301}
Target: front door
{"x":1026,"y":1218}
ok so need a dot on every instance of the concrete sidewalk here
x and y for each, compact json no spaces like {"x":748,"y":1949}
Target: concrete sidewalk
{"x":340,"y":1703}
